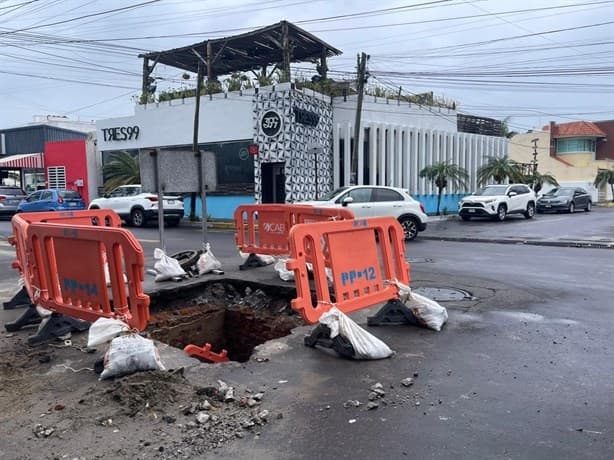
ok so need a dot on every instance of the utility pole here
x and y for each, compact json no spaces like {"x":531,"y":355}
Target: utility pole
{"x":534,"y":155}
{"x":360,"y":86}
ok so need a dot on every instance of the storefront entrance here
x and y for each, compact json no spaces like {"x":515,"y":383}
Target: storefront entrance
{"x":273,"y":182}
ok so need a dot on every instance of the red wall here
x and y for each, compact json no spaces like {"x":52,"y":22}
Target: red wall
{"x":71,"y":155}
{"x":605,"y":148}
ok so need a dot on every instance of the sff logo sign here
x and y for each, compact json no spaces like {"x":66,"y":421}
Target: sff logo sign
{"x":270,"y":123}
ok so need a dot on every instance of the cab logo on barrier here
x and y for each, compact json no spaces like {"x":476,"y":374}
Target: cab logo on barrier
{"x":274,"y":227}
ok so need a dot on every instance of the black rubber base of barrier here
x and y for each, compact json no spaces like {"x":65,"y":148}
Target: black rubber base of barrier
{"x":252,"y":261}
{"x":21,"y":299}
{"x":393,"y":313}
{"x":56,"y":326}
{"x":321,"y":336}
{"x":28,"y":318}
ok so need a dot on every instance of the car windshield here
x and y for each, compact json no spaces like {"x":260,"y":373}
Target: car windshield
{"x":330,"y":195}
{"x":492,"y":190}
{"x":11,"y":190}
{"x":559,"y":192}
{"x":69,"y":194}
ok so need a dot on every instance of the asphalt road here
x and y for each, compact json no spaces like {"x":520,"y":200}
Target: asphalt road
{"x":524,"y":370}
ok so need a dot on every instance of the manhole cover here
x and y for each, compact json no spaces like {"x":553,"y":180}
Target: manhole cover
{"x":443,"y":294}
{"x":418,"y":260}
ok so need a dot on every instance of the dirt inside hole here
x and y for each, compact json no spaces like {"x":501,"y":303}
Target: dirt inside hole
{"x":235,"y":318}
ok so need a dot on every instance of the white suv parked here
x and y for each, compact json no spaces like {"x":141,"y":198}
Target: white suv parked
{"x":379,"y":201}
{"x":136,"y":207}
{"x":497,"y":201}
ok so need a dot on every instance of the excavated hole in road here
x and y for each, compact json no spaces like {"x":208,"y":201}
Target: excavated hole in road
{"x":230,"y":315}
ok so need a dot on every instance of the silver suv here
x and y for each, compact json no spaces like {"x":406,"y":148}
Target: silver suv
{"x":497,"y":201}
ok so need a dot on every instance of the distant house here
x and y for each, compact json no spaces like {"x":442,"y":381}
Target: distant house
{"x":572,"y":152}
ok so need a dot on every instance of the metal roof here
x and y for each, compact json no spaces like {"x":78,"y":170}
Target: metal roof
{"x":247,"y":51}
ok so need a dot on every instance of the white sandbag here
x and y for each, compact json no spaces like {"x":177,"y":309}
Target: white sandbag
{"x":104,"y":330}
{"x":427,"y":311}
{"x":167,"y":267}
{"x":284,"y":273}
{"x":207,"y":262}
{"x":366,"y":345}
{"x":128,"y":354}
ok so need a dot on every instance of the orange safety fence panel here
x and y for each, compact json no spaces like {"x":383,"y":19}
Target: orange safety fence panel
{"x":264,"y":228}
{"x":68,"y":274}
{"x":364,"y":255}
{"x":20,"y":223}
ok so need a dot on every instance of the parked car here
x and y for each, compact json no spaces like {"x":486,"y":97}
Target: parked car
{"x":137,"y":207}
{"x":497,"y":201}
{"x":52,"y":200}
{"x":565,"y":199}
{"x":10,"y":197}
{"x":377,"y":201}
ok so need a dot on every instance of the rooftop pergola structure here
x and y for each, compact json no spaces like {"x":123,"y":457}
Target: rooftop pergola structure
{"x":279,"y":44}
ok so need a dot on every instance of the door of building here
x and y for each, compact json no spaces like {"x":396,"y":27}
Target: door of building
{"x":273,"y":182}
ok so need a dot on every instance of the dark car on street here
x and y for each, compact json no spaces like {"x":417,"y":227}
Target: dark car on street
{"x":567,"y":199}
{"x":10,"y":197}
{"x":52,"y":200}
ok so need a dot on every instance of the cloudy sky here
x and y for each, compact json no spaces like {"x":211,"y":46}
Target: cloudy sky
{"x":531,"y":61}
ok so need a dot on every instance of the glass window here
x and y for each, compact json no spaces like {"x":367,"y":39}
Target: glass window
{"x":332,"y":194}
{"x":118,"y":192}
{"x":359,"y":195}
{"x":575,"y":145}
{"x":34,"y":196}
{"x":233,"y":162}
{"x":384,"y":194}
{"x":69,"y":194}
{"x":493,"y":190}
{"x":47,"y":195}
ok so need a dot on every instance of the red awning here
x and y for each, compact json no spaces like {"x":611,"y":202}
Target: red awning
{"x":28,"y":161}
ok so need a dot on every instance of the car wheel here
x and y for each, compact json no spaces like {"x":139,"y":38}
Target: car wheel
{"x":465,"y":218}
{"x":589,"y":206}
{"x":410,"y":227}
{"x":137,"y":217}
{"x":94,"y":207}
{"x":572,"y":208}
{"x":530,"y":212}
{"x":172,"y":222}
{"x":501,"y":213}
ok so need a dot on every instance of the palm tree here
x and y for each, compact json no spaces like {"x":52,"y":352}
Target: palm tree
{"x":537,"y":180}
{"x":500,"y":169}
{"x":122,"y":169}
{"x":441,"y":173}
{"x":604,"y":177}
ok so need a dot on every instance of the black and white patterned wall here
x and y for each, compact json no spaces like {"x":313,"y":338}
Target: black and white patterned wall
{"x":305,"y":147}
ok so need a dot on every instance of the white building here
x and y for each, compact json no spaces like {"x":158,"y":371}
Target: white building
{"x":304,"y":143}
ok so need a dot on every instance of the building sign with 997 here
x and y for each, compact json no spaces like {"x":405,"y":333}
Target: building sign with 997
{"x":270,"y":123}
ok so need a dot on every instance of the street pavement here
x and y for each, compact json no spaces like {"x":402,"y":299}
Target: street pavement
{"x":522,"y":369}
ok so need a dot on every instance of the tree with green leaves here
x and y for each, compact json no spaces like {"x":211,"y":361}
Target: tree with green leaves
{"x":605,"y":177}
{"x":443,"y":173}
{"x":500,"y":169}
{"x":122,"y":169}
{"x":537,"y":180}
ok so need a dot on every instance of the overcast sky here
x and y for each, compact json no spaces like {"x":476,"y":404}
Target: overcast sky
{"x":532,"y":61}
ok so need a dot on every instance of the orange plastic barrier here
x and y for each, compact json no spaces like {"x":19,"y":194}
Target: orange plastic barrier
{"x":206,"y":353}
{"x":264,"y":228}
{"x":363,"y":255}
{"x":63,"y":265}
{"x":21,"y":222}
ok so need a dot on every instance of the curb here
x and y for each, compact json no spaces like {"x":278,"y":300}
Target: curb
{"x":560,"y":244}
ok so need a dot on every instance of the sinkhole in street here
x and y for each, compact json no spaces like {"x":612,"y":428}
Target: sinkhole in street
{"x":231,"y":316}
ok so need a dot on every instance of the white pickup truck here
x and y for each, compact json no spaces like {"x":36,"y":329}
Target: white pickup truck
{"x":497,"y":201}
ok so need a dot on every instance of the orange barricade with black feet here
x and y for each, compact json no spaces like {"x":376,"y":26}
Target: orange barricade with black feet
{"x":264,"y":228}
{"x":363,"y":255}
{"x":63,"y":267}
{"x":20,"y":224}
